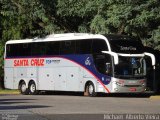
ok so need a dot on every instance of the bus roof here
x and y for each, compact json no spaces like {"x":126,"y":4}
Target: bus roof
{"x":59,"y":37}
{"x":112,"y":37}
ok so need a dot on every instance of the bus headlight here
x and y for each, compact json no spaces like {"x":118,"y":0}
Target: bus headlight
{"x":142,"y":82}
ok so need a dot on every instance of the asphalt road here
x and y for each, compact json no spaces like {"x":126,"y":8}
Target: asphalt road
{"x":73,"y":107}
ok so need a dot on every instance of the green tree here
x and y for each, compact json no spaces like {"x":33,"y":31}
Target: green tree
{"x":133,"y":17}
{"x":25,"y":19}
{"x":22,"y":19}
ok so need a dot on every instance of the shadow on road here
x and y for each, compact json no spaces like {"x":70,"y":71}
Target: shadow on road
{"x":8,"y":104}
{"x":64,"y":93}
{"x":5,"y":100}
{"x":13,"y":101}
{"x":3,"y":107}
{"x":127,"y":95}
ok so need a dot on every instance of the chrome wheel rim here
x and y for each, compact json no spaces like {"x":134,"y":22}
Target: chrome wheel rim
{"x":32,"y":88}
{"x":91,"y":89}
{"x":23,"y":87}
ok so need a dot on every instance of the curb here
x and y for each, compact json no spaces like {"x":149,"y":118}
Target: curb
{"x":155,"y":97}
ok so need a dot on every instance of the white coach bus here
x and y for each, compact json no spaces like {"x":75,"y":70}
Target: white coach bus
{"x":81,"y":62}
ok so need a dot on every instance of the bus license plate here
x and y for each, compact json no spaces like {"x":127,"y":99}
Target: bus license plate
{"x":132,"y":89}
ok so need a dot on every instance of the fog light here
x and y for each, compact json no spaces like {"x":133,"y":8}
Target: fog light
{"x":119,"y":83}
{"x":116,"y":89}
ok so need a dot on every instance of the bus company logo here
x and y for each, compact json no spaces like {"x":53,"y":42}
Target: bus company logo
{"x":130,"y":48}
{"x":53,"y":61}
{"x":88,"y":61}
{"x":26,"y":62}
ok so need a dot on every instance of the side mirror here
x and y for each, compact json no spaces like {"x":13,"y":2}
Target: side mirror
{"x":108,"y":68}
{"x":115,"y":56}
{"x":152,"y":57}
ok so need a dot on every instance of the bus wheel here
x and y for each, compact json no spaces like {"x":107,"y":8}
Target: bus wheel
{"x":23,"y":88}
{"x":90,"y":90}
{"x":32,"y":88}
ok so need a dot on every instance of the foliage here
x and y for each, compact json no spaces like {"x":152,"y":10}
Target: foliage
{"x":138,"y":18}
{"x":29,"y":18}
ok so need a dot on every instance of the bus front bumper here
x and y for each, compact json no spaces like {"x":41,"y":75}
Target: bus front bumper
{"x":128,"y":86}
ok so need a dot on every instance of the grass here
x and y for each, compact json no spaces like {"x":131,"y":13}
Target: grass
{"x":5,"y":91}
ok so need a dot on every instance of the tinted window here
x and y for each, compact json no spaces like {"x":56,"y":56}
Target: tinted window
{"x":67,"y":47}
{"x":52,"y":48}
{"x":98,"y":46}
{"x":83,"y":46}
{"x":38,"y":49}
{"x":24,"y":49}
{"x":87,"y":46}
{"x":11,"y":51}
{"x":103,"y":63}
{"x":18,"y":50}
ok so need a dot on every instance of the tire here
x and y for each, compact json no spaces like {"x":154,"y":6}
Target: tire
{"x":90,"y":90}
{"x":23,"y":89}
{"x":32,"y":88}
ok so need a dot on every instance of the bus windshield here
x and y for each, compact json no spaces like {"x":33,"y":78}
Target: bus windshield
{"x":131,"y":67}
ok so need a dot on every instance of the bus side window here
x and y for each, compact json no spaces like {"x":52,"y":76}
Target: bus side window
{"x":24,"y":49}
{"x":8,"y":51}
{"x":52,"y":48}
{"x":99,"y":45}
{"x":103,"y":63}
{"x":83,"y":46}
{"x":38,"y":49}
{"x":67,"y":47}
{"x":108,"y":64}
{"x":19,"y":50}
